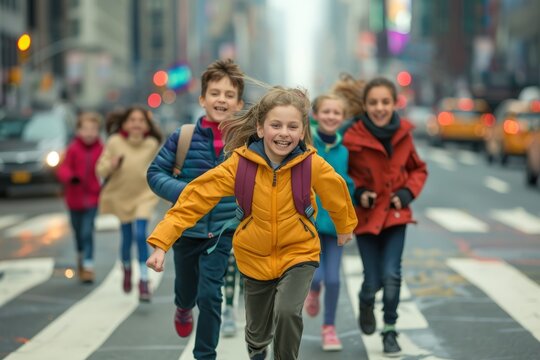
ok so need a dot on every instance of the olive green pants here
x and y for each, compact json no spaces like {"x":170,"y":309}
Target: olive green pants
{"x":274,"y":312}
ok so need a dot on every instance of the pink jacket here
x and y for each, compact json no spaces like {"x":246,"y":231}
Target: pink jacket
{"x":80,"y":163}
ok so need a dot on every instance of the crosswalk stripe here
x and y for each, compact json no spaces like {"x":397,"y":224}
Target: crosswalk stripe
{"x":21,"y":275}
{"x":410,"y":316}
{"x":8,"y":220}
{"x":86,"y":325}
{"x":456,"y":220}
{"x":496,"y":184}
{"x":56,"y":223}
{"x":519,"y":219}
{"x":467,"y":157}
{"x":106,"y":222}
{"x":443,"y":159}
{"x":510,"y":289}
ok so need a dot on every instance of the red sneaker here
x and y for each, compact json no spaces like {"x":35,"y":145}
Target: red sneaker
{"x":126,"y":284}
{"x":312,"y":303}
{"x":183,"y":322}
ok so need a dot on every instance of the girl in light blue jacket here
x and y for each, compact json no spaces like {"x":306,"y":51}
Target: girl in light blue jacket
{"x":329,"y":111}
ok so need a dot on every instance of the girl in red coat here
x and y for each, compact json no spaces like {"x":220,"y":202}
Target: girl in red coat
{"x":388,"y":175}
{"x":78,"y":174}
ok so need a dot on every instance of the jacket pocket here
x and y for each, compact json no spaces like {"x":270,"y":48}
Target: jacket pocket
{"x":307,"y":228}
{"x":253,"y":239}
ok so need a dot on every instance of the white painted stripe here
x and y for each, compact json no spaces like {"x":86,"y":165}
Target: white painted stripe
{"x":408,"y":319}
{"x":21,"y":275}
{"x":467,"y":157}
{"x":106,"y":222}
{"x":39,"y":225}
{"x":79,"y":331}
{"x":519,"y":219}
{"x":515,"y":293}
{"x":456,"y":220}
{"x":8,"y":220}
{"x":496,"y":185}
{"x":443,"y":159}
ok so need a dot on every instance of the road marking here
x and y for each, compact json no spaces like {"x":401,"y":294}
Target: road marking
{"x":496,"y":185}
{"x":8,"y":220}
{"x":410,"y":316}
{"x":467,"y":157}
{"x":515,"y":293}
{"x":80,"y":330}
{"x":456,"y":220}
{"x":519,"y":219}
{"x":443,"y":159}
{"x":56,"y":223}
{"x":106,"y":222}
{"x":21,"y":275}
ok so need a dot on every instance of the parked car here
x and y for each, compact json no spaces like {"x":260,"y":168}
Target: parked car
{"x":419,"y":116}
{"x":516,"y":123}
{"x":532,"y":169}
{"x":31,"y":148}
{"x":460,"y":120}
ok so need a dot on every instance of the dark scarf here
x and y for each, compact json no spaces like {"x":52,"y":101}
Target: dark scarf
{"x":383,"y":134}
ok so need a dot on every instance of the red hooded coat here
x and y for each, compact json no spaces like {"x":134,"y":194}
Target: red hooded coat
{"x":372,"y":169}
{"x":80,"y":162}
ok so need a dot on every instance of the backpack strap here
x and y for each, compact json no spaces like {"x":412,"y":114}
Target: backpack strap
{"x":184,"y":142}
{"x":244,"y":185}
{"x":301,"y":188}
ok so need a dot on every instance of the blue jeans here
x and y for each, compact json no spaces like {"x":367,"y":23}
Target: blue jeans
{"x":82,"y":222}
{"x":328,"y":274}
{"x":381,"y":256}
{"x":127,"y":240}
{"x":199,"y":278}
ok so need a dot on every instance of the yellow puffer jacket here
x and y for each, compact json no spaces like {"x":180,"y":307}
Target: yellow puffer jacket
{"x":275,"y":237}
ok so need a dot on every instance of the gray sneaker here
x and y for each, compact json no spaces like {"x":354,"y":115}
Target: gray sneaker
{"x":390,"y":344}
{"x":228,"y":326}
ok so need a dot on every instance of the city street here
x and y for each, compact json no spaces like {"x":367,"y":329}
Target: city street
{"x":471,"y":280}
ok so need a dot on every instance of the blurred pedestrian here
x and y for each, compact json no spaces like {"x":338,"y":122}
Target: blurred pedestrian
{"x":276,"y":247}
{"x":388,"y":175}
{"x":199,"y":274}
{"x":329,"y":114}
{"x":232,"y":278}
{"x":77,"y":172}
{"x":128,"y":152}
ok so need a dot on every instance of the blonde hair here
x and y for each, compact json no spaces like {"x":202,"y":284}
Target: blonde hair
{"x":89,"y":116}
{"x":238,"y":130}
{"x":316,"y":104}
{"x":351,"y":90}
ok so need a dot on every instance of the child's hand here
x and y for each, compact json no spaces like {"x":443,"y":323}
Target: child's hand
{"x":367,"y":200}
{"x":342,"y":239}
{"x":156,"y":259}
{"x":116,"y":161}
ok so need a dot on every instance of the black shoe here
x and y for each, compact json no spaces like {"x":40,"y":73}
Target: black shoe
{"x":367,"y":321}
{"x":390,"y":344}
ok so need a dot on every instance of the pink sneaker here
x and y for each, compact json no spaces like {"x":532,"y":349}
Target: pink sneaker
{"x":312,"y":303}
{"x":330,"y":340}
{"x":183,"y":322}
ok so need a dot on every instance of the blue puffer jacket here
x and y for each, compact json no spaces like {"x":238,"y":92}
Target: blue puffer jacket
{"x":337,"y":156}
{"x":200,"y":158}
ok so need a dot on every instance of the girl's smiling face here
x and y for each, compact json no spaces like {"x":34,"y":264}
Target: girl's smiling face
{"x":281,"y":132}
{"x":380,"y":105}
{"x":330,"y":116}
{"x":136,"y":124}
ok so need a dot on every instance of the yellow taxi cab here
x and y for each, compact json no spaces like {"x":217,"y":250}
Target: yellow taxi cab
{"x":516,"y":122}
{"x":461,"y":120}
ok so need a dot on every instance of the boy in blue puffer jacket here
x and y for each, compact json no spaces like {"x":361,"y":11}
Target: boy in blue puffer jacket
{"x":200,"y":275}
{"x":329,"y":113}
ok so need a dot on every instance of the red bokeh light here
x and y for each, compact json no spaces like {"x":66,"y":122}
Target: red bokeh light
{"x":160,"y":78}
{"x":154,"y":100}
{"x":404,"y":78}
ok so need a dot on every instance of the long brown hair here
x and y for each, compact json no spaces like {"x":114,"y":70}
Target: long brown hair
{"x":351,"y":90}
{"x":116,"y":119}
{"x":239,"y":129}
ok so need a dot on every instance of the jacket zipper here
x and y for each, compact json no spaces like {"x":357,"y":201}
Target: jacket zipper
{"x":306,"y":228}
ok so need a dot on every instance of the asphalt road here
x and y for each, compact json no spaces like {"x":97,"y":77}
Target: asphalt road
{"x":470,"y":291}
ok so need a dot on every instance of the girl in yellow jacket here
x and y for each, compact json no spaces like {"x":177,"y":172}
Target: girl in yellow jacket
{"x":277,"y":248}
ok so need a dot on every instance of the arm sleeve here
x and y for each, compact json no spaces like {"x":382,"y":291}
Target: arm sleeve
{"x":334,"y":194}
{"x":197,"y":199}
{"x":159,"y":174}
{"x":65,"y":172}
{"x":103,"y":165}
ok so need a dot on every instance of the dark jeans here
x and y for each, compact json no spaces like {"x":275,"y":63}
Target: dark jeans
{"x":199,"y":278}
{"x":327,"y":274}
{"x":82,"y":222}
{"x":381,"y":256}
